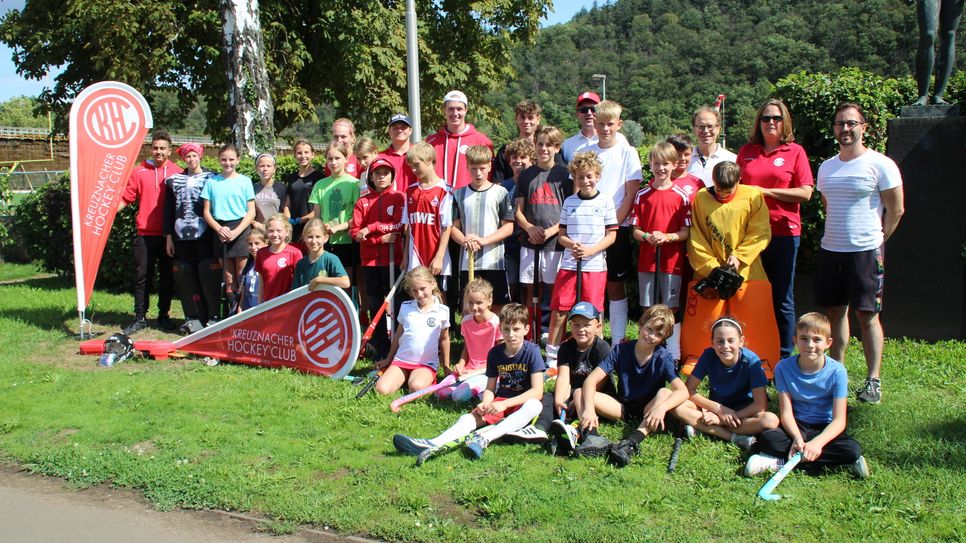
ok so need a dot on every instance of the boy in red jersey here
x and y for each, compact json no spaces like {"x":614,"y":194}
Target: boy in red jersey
{"x":428,"y":215}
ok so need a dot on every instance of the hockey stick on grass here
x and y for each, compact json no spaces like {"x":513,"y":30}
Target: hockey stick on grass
{"x":447,"y":447}
{"x":767,"y":492}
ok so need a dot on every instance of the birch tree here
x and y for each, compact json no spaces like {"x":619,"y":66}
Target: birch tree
{"x":250,"y":111}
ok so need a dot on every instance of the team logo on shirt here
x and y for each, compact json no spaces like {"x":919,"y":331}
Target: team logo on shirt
{"x":432,"y":322}
{"x":282,"y":262}
{"x":390,"y":209}
{"x":463,"y":149}
{"x":351,"y":168}
{"x":435,"y":202}
{"x":779,"y":162}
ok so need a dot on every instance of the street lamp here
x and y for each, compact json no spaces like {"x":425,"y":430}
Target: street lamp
{"x":603,"y":84}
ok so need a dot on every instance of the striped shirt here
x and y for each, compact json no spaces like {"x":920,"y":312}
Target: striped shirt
{"x":481,"y":213}
{"x":587,"y":221}
{"x":853,"y":221}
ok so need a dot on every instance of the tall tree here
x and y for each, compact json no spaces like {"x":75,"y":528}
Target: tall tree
{"x":250,"y":115}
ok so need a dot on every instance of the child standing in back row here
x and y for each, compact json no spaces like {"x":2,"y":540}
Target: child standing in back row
{"x":514,"y":372}
{"x":332,"y":200}
{"x":813,"y":391}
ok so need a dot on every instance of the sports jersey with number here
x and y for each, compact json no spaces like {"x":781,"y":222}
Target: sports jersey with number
{"x":587,"y":221}
{"x":428,"y":211}
{"x":668,"y":211}
{"x":481,"y":213}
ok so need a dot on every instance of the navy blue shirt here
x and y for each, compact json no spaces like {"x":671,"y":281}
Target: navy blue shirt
{"x":581,"y":363}
{"x":513,"y":372}
{"x":732,"y":386}
{"x":636,"y":382}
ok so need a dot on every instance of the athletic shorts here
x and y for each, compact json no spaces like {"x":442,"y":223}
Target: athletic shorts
{"x":549,"y":265}
{"x":493,"y":419}
{"x":348,"y":254}
{"x":853,"y":279}
{"x":633,"y":409}
{"x":619,"y":265}
{"x":593,"y":285}
{"x":496,"y":278}
{"x":410,"y":366}
{"x":669,"y":289}
{"x":236,"y":248}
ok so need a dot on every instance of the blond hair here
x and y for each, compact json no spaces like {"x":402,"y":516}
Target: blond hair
{"x":338,"y":146}
{"x":481,"y":286}
{"x":256,"y":232}
{"x":283,"y":220}
{"x":521,"y":147}
{"x":313,"y":224}
{"x":584,"y":161}
{"x":552,"y":133}
{"x":816,"y":323}
{"x":608,"y":110}
{"x":421,"y":151}
{"x":422,"y":273}
{"x":365,"y":146}
{"x":479,"y":154}
{"x":663,"y":152}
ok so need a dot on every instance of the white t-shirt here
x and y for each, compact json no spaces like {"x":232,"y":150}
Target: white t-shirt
{"x":701,"y":167}
{"x":620,"y":163}
{"x":481,"y":213}
{"x":578,"y":142}
{"x":419,"y":343}
{"x":587,"y":221}
{"x":853,"y":213}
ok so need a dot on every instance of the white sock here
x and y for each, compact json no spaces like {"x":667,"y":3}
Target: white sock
{"x":552,"y":351}
{"x":674,"y":342}
{"x":618,"y":320}
{"x":463,"y":426}
{"x":516,"y":421}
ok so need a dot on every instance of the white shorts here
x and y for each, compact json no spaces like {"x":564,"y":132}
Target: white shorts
{"x":549,"y":265}
{"x":669,"y":289}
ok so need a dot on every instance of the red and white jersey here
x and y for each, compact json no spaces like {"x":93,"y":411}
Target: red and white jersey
{"x":667,"y":211}
{"x":690,"y":184}
{"x":428,"y":211}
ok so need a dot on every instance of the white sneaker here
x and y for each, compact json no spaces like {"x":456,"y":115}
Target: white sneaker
{"x":689,"y":431}
{"x":528,"y":434}
{"x":860,"y":468}
{"x":761,"y":463}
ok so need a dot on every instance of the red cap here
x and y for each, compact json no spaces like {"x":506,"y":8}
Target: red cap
{"x":592,"y":96}
{"x":379,"y":161}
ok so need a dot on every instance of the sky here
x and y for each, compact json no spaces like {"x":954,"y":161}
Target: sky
{"x":12,"y":84}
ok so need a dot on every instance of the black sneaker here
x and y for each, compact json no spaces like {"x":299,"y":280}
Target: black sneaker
{"x":165,"y":323}
{"x":621,"y":453}
{"x":139,"y":324}
{"x":593,"y":445}
{"x":871,"y":391}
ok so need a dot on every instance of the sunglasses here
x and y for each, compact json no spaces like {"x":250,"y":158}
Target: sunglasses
{"x":769,"y":118}
{"x":587,"y":109}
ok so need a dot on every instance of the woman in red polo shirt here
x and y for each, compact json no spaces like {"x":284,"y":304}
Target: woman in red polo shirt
{"x":773,"y":162}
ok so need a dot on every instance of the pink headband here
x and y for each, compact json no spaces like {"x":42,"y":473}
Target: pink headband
{"x":189,"y":147}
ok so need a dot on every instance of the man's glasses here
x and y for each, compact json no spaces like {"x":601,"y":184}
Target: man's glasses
{"x":769,"y":118}
{"x":706,"y":127}
{"x":846,"y":124}
{"x":587,"y":109}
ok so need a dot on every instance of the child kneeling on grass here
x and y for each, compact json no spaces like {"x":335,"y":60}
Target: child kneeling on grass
{"x":643,"y":368}
{"x":737,"y":408}
{"x":813,"y":397}
{"x":515,"y":376}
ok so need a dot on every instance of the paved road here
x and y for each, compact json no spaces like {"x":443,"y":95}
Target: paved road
{"x":36,"y":509}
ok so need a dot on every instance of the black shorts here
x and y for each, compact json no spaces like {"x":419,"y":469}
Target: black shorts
{"x":347,"y":253}
{"x":195,"y":250}
{"x":619,"y":256}
{"x":853,"y":279}
{"x":633,"y":409}
{"x":496,"y":278}
{"x":236,"y":248}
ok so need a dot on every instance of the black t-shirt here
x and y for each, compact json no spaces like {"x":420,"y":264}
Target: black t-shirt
{"x":581,"y":363}
{"x":299,"y":189}
{"x":543,"y":193}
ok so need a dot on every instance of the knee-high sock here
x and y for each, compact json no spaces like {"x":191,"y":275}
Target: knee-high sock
{"x":674,"y":342}
{"x":515,"y":421}
{"x":464,"y":425}
{"x":618,"y":320}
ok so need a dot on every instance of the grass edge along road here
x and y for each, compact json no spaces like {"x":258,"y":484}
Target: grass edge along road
{"x":300,"y":449}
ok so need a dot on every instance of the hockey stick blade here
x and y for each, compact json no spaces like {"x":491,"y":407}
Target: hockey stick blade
{"x":767,"y":492}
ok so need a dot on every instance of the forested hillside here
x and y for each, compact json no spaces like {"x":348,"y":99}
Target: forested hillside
{"x":663,"y":58}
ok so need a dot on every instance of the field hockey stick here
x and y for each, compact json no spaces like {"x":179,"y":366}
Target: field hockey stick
{"x":391,"y":310}
{"x":767,"y":492}
{"x":471,"y":264}
{"x":657,"y":275}
{"x":375,"y":320}
{"x":447,"y":447}
{"x":580,"y":281}
{"x":369,"y":384}
{"x":535,"y":297}
{"x":672,"y":463}
{"x":448,"y":381}
{"x":224,"y":282}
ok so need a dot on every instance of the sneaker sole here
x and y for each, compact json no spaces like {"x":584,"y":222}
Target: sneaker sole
{"x":404,"y":445}
{"x":592,"y":452}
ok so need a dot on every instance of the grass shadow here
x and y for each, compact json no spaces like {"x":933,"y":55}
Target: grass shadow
{"x":56,"y":319}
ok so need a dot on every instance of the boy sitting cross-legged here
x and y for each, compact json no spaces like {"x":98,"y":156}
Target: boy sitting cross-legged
{"x":514,"y":372}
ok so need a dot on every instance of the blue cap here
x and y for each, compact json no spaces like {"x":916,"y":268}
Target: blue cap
{"x":586,"y":310}
{"x":400,"y":118}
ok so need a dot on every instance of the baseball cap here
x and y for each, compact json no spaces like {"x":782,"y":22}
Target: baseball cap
{"x":400,"y":118}
{"x":584,"y":309}
{"x":592,"y":96}
{"x":455,"y":96}
{"x":379,"y":161}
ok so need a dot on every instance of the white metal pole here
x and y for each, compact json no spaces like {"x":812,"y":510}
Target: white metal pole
{"x":412,"y":71}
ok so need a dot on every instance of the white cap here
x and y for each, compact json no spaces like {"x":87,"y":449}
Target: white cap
{"x":455,"y":96}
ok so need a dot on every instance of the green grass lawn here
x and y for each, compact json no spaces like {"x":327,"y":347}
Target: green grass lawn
{"x":17,"y":272}
{"x":300,"y":449}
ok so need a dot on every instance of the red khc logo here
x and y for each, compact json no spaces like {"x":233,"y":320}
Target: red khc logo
{"x":112,"y":120}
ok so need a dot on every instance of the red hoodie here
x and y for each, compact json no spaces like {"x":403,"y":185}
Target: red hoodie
{"x":381,"y":213}
{"x":147,"y":186}
{"x":451,"y":153}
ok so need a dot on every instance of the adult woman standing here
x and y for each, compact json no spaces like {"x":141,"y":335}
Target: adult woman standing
{"x":706,"y":123}
{"x":779,"y":167}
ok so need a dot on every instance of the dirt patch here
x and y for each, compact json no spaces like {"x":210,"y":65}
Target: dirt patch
{"x":144,"y":447}
{"x":336,"y":475}
{"x":63,"y":436}
{"x":453,"y":511}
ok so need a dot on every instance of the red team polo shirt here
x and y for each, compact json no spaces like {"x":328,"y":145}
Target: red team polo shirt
{"x":428,"y":211}
{"x":785,"y":167}
{"x":665,"y":210}
{"x":277,"y":270}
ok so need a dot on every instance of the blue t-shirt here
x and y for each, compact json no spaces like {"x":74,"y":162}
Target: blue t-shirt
{"x":250,"y":283}
{"x":229,"y":197}
{"x":513,"y":372}
{"x":636,"y":382}
{"x":732,"y":386}
{"x":812,"y":393}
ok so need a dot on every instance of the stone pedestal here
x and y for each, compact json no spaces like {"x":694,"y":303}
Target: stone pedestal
{"x":925,"y":288}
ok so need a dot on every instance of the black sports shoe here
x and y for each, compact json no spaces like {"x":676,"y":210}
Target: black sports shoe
{"x":593,"y":445}
{"x":139,"y":324}
{"x":621,"y":453}
{"x":165,"y":323}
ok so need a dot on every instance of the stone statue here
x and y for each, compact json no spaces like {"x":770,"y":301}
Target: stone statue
{"x":942,"y":16}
